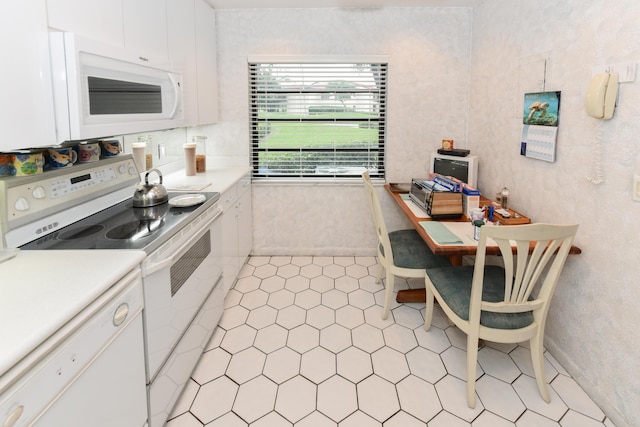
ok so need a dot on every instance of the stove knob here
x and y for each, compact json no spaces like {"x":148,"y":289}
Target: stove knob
{"x":122,"y":168}
{"x":21,"y":204}
{"x":38,"y":193}
{"x":133,"y":170}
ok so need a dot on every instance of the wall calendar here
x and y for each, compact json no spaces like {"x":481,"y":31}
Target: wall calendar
{"x":540,"y":125}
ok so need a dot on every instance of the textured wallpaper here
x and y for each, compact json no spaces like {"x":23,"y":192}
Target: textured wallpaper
{"x":460,"y":74}
{"x":593,"y":323}
{"x":428,"y":51}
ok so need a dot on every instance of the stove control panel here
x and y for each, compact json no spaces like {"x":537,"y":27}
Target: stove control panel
{"x":34,"y":197}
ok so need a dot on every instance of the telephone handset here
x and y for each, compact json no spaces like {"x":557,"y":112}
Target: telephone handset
{"x":601,"y":95}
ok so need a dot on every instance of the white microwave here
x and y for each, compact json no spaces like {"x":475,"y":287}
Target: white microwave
{"x":101,"y":90}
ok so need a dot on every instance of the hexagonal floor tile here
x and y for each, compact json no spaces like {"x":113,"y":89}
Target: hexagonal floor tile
{"x":310,"y":271}
{"x":291,"y":316}
{"x":247,"y":284}
{"x":297,"y":284}
{"x":349,"y":316}
{"x":377,"y":398}
{"x":233,"y":316}
{"x":367,"y":338}
{"x":281,"y":299}
{"x":246,"y":365}
{"x":426,"y":364}
{"x":337,"y":398}
{"x":271,"y":338}
{"x":296,"y":399}
{"x":262,"y":317}
{"x":303,"y":338}
{"x":347,"y":284}
{"x":390,"y":364}
{"x":222,"y":391}
{"x":499,"y":397}
{"x":254,"y":299}
{"x":361,"y":299}
{"x":238,"y":338}
{"x":399,"y":338}
{"x":354,"y":364}
{"x":335,"y":338}
{"x":255,"y":399}
{"x":318,"y":364}
{"x":308,"y":299}
{"x":334,"y":299}
{"x":321,"y":316}
{"x":334,"y":271}
{"x":418,"y":398}
{"x":211,"y":365}
{"x":263,"y":271}
{"x":282,"y":364}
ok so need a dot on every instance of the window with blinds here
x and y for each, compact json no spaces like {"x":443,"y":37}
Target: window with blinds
{"x":317,"y":120}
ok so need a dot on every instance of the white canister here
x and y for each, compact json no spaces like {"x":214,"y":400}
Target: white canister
{"x":138,"y":149}
{"x":190,"y":159}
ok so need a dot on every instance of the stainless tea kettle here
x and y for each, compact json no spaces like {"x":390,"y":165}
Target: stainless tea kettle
{"x":150,"y":194}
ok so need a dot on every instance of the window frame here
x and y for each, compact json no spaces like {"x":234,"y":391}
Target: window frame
{"x":300,"y":176}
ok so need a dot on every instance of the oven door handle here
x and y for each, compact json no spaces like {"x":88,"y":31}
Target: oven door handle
{"x":149,"y":269}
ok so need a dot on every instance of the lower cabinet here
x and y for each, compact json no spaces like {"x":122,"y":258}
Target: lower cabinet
{"x":237,"y":235}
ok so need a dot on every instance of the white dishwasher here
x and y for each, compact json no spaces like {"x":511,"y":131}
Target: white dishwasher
{"x":91,"y":372}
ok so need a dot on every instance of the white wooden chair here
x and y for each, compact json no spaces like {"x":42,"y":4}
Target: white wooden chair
{"x":500,"y":304}
{"x":401,"y":253}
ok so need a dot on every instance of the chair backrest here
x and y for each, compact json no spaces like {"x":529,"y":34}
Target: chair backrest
{"x":378,"y":219}
{"x":526,"y":251}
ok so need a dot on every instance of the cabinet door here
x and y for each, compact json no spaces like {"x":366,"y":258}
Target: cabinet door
{"x":229,"y":238}
{"x":100,"y":20}
{"x":206,"y":63}
{"x":26,"y":104}
{"x":145,"y":29}
{"x":181,"y":35}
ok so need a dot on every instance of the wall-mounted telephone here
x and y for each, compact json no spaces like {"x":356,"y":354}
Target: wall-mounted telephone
{"x":601,"y":95}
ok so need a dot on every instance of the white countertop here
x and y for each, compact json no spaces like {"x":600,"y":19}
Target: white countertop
{"x":40,"y":291}
{"x":217,"y":179}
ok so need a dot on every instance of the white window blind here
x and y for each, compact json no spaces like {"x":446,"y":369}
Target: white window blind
{"x":317,"y":120}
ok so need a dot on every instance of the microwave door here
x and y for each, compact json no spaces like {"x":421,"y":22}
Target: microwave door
{"x":110,"y":96}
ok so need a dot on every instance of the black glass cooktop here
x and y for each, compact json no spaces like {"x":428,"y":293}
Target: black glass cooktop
{"x":122,"y":226}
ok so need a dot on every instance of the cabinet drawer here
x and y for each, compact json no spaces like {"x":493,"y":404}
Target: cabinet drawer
{"x":229,"y":197}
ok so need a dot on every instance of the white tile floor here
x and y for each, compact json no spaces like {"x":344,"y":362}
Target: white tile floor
{"x":301,"y":342}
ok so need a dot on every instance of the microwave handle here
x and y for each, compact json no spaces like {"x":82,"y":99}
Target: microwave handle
{"x":176,"y":89}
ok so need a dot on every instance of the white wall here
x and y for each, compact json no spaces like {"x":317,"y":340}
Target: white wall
{"x":438,"y":89}
{"x":594,"y":319}
{"x":428,"y":52}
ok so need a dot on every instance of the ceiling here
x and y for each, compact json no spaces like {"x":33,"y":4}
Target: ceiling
{"x":271,"y":4}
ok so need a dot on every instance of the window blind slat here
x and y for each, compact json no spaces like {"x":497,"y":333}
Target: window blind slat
{"x":317,"y":120}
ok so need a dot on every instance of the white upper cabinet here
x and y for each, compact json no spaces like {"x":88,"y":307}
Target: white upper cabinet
{"x":145,"y":29}
{"x":100,"y":20}
{"x":138,"y":25}
{"x":26,"y":104}
{"x":207,"y":63}
{"x":182,"y":53}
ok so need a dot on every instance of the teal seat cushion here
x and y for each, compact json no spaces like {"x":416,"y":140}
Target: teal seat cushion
{"x":454,"y":285}
{"x":410,"y":251}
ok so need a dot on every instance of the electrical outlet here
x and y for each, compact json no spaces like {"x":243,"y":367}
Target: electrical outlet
{"x":636,"y":188}
{"x":626,"y":70}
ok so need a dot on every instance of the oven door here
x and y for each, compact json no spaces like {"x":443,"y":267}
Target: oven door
{"x":177,"y":279}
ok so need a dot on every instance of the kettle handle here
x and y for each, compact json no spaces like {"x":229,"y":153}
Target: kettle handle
{"x":146,"y":176}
